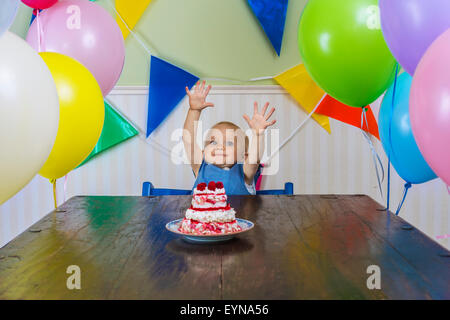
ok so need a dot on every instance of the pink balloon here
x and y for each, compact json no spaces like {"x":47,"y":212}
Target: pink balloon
{"x":39,"y":4}
{"x":430,"y":106}
{"x":86,"y":32}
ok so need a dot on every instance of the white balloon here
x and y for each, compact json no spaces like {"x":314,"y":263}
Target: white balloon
{"x":29,"y":114}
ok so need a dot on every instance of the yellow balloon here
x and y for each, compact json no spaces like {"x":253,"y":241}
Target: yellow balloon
{"x":81,"y":114}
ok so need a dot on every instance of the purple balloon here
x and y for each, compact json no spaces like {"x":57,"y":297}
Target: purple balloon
{"x":86,"y":32}
{"x":410,"y":26}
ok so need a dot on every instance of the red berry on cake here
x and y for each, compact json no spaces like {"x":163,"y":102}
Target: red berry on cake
{"x":219,"y":185}
{"x":212,"y":185}
{"x":201,"y":186}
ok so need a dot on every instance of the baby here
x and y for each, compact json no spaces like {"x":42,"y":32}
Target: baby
{"x":227,"y":155}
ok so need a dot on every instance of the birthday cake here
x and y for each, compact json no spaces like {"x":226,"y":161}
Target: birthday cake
{"x":209,"y":213}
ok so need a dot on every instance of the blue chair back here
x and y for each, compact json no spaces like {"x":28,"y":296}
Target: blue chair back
{"x":149,"y":190}
{"x":288,"y":190}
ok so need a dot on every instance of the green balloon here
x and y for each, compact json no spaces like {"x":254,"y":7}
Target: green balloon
{"x":343,"y":49}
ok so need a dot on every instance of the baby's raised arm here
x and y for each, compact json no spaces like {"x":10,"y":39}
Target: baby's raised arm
{"x":197,"y":102}
{"x":258,"y":123}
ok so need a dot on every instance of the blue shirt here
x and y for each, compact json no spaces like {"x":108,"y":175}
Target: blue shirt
{"x":233,"y":179}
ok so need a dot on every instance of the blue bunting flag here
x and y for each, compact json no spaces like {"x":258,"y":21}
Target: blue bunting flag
{"x":272,"y":17}
{"x":166,"y":90}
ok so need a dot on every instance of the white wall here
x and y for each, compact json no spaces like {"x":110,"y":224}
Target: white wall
{"x":313,"y":160}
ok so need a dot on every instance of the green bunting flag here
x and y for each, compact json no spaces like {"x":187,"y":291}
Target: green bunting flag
{"x":115,"y":130}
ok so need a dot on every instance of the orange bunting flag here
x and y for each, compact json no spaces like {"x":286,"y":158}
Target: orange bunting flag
{"x":305,"y":91}
{"x":351,"y":115}
{"x":131,"y":12}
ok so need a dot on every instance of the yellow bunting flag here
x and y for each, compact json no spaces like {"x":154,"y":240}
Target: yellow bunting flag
{"x":304,"y":90}
{"x":131,"y":12}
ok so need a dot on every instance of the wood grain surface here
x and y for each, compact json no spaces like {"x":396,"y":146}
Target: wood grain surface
{"x":302,"y":247}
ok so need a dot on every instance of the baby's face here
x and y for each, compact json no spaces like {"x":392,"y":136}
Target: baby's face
{"x":224,"y":146}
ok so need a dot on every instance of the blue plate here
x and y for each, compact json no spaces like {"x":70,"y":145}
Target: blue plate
{"x":194,"y":238}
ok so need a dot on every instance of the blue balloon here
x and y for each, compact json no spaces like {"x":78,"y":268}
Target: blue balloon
{"x":405,"y":155}
{"x":8,"y":10}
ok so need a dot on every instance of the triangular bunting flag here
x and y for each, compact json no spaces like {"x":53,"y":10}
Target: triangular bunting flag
{"x":272,"y":17}
{"x":33,"y":16}
{"x":337,"y":110}
{"x":131,"y":12}
{"x":166,"y":89}
{"x":115,"y":130}
{"x":304,"y":90}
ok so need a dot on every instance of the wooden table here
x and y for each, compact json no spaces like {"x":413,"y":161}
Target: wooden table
{"x":302,"y":247}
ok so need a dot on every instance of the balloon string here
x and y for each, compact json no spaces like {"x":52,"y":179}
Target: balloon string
{"x":390,"y":140}
{"x":65,"y":187}
{"x":405,"y":192}
{"x":295,"y":131}
{"x":38,"y":21}
{"x":375,"y":157}
{"x":53,"y":181}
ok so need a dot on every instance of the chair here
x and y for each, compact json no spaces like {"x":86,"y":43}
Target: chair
{"x":149,"y":190}
{"x":288,"y":190}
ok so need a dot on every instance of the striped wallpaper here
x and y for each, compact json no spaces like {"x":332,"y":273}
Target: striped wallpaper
{"x":313,"y":160}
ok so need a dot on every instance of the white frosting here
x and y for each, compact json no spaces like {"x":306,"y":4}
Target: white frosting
{"x":211,"y":216}
{"x":207,"y":205}
{"x":220,"y":190}
{"x":207,"y":191}
{"x":201,"y":201}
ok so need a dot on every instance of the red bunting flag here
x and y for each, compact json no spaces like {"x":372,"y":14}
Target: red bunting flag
{"x":337,"y":110}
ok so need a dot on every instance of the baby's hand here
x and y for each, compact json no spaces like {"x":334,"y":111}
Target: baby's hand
{"x":259,"y":122}
{"x":197,"y":99}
